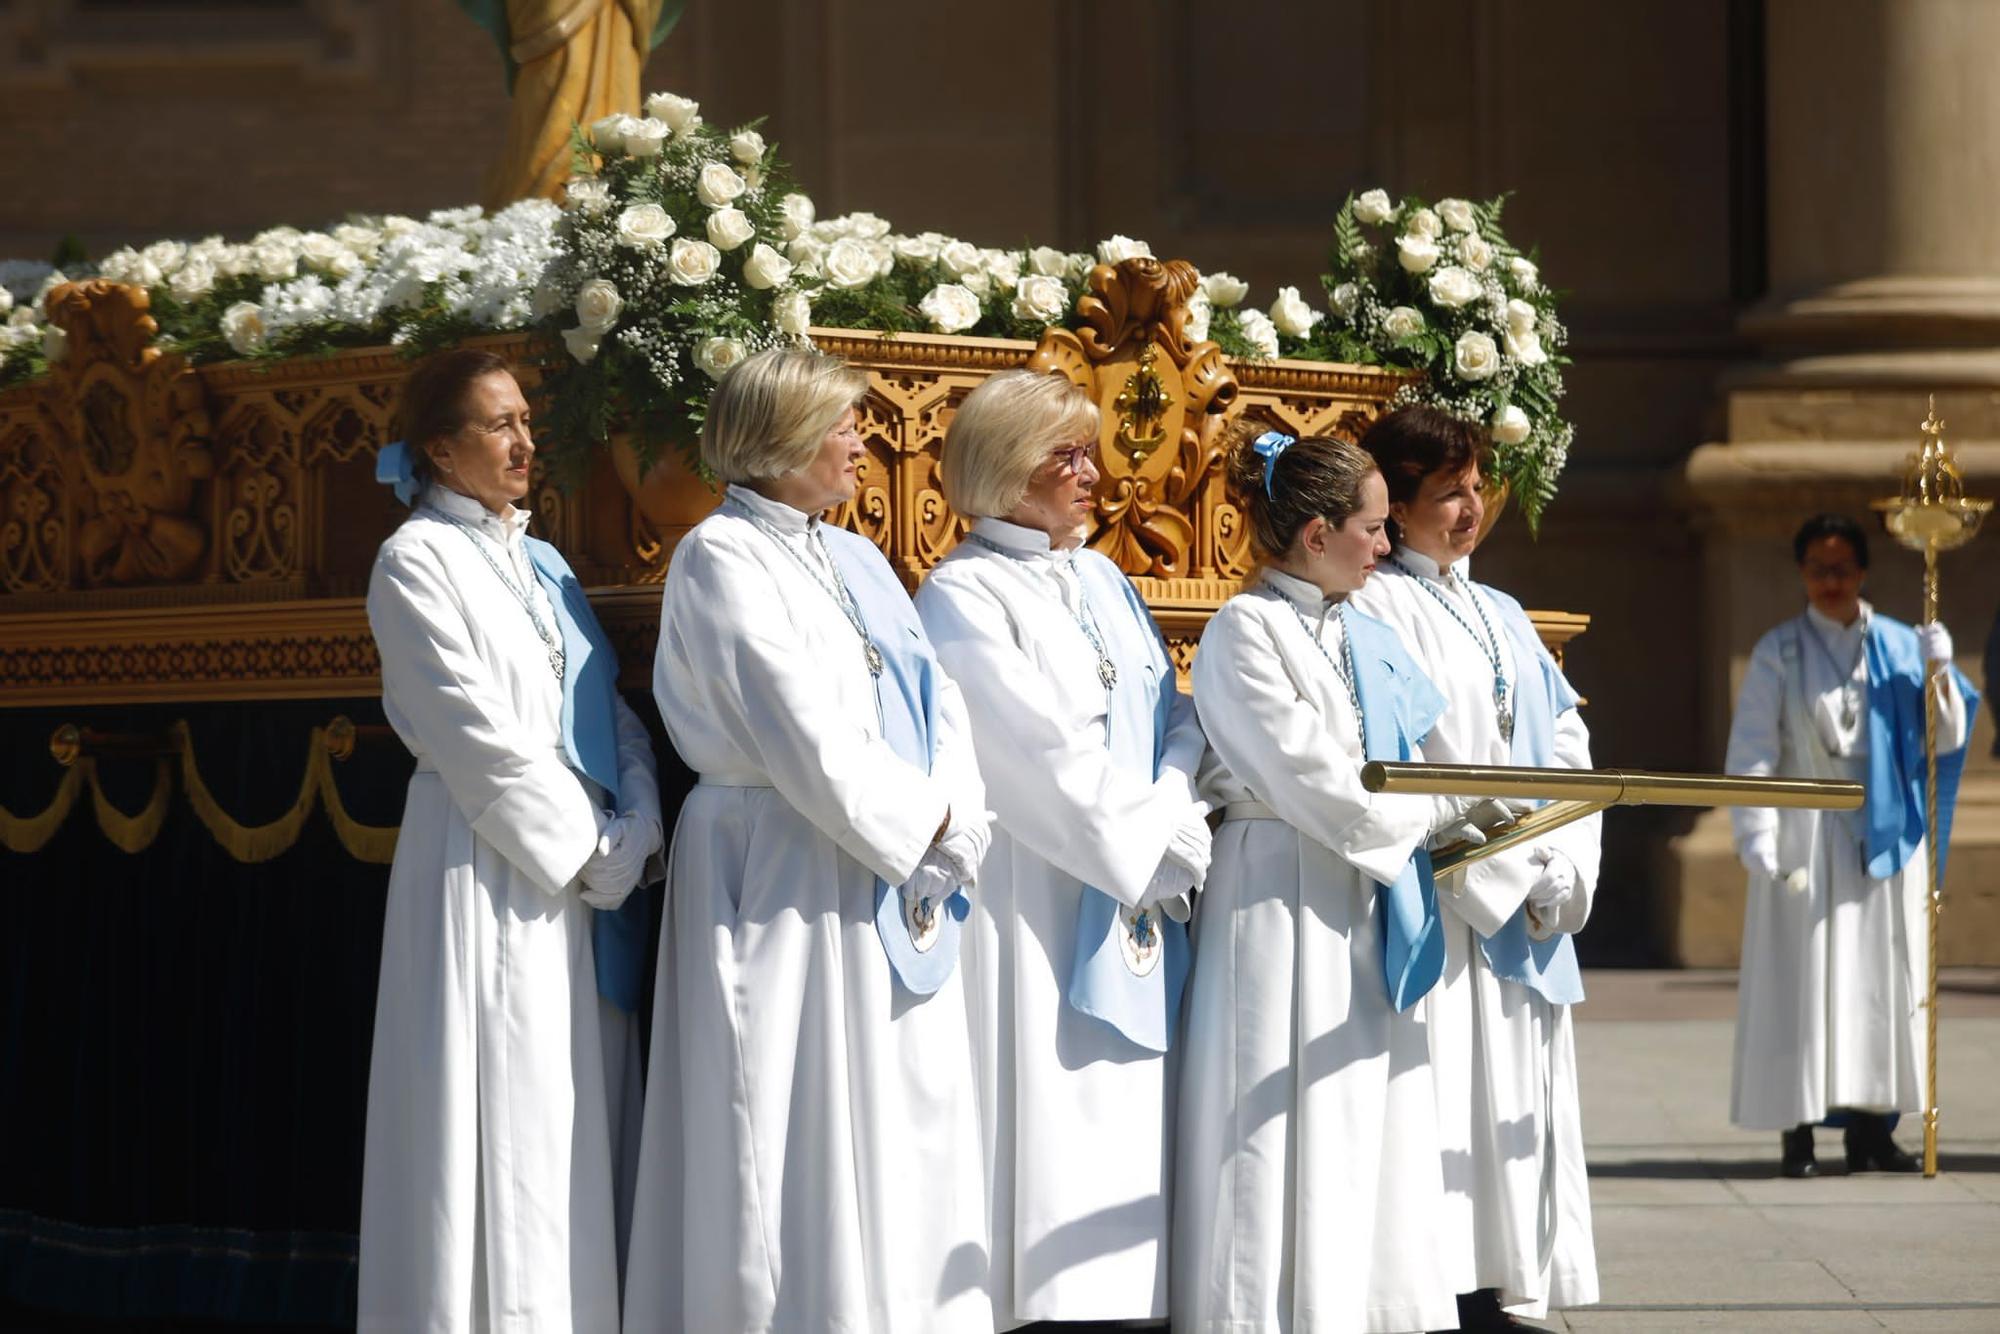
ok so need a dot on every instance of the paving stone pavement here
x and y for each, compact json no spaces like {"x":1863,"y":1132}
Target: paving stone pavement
{"x":1695,"y":1230}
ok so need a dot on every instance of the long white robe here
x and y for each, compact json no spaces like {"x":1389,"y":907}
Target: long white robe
{"x":1832,"y":979}
{"x":486,"y":1197}
{"x":1309,"y":1188}
{"x":810,"y":1155}
{"x":1077,"y":1118}
{"x":1505,"y":1057}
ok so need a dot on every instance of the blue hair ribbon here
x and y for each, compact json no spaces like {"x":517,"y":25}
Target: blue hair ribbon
{"x":1268,"y":446}
{"x":395,"y":467}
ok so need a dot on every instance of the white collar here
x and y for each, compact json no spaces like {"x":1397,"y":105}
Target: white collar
{"x":506,"y":527}
{"x":1834,"y":630}
{"x":1301,"y":593}
{"x":774,"y":512}
{"x":1416,"y":562}
{"x":1020,"y":540}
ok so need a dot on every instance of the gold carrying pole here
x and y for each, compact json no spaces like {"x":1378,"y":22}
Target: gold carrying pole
{"x":1574,"y":793}
{"x":1932,"y":514}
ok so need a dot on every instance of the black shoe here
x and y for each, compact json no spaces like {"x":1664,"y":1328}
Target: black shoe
{"x":1481,"y":1310}
{"x":1870,"y":1147}
{"x":1798,"y":1160}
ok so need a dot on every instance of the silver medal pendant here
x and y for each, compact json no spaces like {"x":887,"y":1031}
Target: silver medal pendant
{"x":874,"y":656}
{"x":1107,"y":672}
{"x":924,"y":921}
{"x":1507,"y":725}
{"x":1139,"y":941}
{"x":557,"y":663}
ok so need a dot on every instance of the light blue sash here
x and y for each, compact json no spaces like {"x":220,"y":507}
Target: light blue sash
{"x":907,"y":693}
{"x":1101,"y":983}
{"x":1399,"y":706}
{"x":1893,"y":811}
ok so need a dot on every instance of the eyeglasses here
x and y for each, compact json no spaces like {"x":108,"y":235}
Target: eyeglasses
{"x":1073,"y":457}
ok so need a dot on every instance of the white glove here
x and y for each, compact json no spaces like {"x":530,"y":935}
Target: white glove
{"x":1190,"y":842}
{"x":936,"y":876}
{"x":1936,"y":641}
{"x":1466,"y":820}
{"x":1556,"y":883}
{"x":1759,"y":854}
{"x":623,"y":849}
{"x":1172,"y":879}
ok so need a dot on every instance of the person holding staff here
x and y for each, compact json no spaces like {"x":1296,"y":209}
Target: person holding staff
{"x":1309,"y":1188}
{"x":487,"y":1190}
{"x":1075,"y":951}
{"x":810,"y":1157}
{"x":1829,"y":1019}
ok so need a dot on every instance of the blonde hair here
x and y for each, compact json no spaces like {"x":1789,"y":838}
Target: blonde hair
{"x":1002,"y":432}
{"x":770,"y":412}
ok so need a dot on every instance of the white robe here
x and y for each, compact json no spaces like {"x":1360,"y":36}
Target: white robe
{"x":1505,"y":1056}
{"x":486,"y":1197}
{"x":1832,"y":981}
{"x":1077,"y":1118}
{"x":1309,"y":1189}
{"x":810,"y":1156}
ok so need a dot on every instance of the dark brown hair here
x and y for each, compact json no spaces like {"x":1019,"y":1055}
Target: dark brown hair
{"x":1315,"y":477}
{"x":1411,"y":443}
{"x":433,"y":403}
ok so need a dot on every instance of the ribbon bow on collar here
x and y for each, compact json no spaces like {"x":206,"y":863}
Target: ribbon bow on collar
{"x":395,"y":467}
{"x":1268,"y":446}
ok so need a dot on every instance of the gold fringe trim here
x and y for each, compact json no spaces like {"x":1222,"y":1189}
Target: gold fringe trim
{"x":250,"y":844}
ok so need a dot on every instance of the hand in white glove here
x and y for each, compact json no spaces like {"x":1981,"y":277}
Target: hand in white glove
{"x":936,"y":876}
{"x":1554,"y":885}
{"x":623,"y":848}
{"x":1759,"y":854}
{"x":1190,"y":843}
{"x":1936,"y":641}
{"x":1466,"y":820}
{"x":1172,"y":879}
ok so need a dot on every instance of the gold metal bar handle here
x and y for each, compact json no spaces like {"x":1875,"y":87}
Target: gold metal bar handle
{"x":1540,"y":821}
{"x":1609,"y":787}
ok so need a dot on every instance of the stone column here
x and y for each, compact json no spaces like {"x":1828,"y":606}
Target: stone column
{"x":1883,"y":230}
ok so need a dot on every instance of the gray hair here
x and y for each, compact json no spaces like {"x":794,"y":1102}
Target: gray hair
{"x":770,"y":412}
{"x":1003,"y":431}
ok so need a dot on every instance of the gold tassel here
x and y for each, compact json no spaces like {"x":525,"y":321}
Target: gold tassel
{"x":28,"y":833}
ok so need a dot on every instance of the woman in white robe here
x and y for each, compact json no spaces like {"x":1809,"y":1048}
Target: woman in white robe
{"x":1310,"y":1195}
{"x":1089,"y":751}
{"x":810,"y":1155}
{"x":1835,"y":938}
{"x":487,"y":1195}
{"x":1502,"y":1040}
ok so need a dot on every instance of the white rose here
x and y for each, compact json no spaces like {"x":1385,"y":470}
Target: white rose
{"x":796,"y":214}
{"x":243,"y":326}
{"x":867,"y":226}
{"x":1200,"y":311}
{"x":1475,"y":252}
{"x":747,"y":147}
{"x":849,"y":263}
{"x":1039,"y":298}
{"x":644,"y":138}
{"x":1224,"y":289}
{"x":1261,"y":333}
{"x":327,"y":255}
{"x":1291,"y":316}
{"x":1416,"y":253}
{"x":1120,"y":248}
{"x":766,"y":268}
{"x":959,"y":258}
{"x":587,"y":194}
{"x":885,"y":257}
{"x":753,"y":179}
{"x":792,"y":313}
{"x":977,"y":283}
{"x":692,"y":263}
{"x":363,"y":241}
{"x":1452,"y":287}
{"x":729,"y":228}
{"x":677,"y":112}
{"x":950,"y":308}
{"x":1424,"y":223}
{"x":1521,"y":316}
{"x":582,"y":344}
{"x":920,"y":250}
{"x":1048,"y":261}
{"x":1524,"y":272}
{"x":598,"y":305}
{"x":608,"y":133}
{"x":717,"y":185}
{"x":1346,"y":300}
{"x":276,"y":260}
{"x":643,"y":226}
{"x":192,"y":281}
{"x":1374,"y":207}
{"x":396,"y":225}
{"x":1402,"y":322}
{"x":55,"y":344}
{"x":166,"y":254}
{"x":1457,"y":215}
{"x":1474,"y":357}
{"x":808,"y":253}
{"x":1525,"y":346}
{"x":716,"y":355}
{"x":1510,"y":426}
{"x":6,"y":300}
{"x":1002,"y":266}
